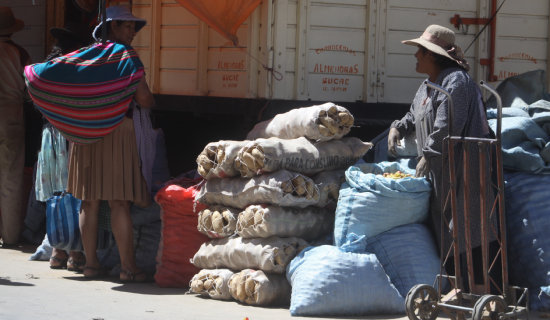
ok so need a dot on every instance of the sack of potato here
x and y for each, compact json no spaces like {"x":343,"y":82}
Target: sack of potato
{"x":269,"y":254}
{"x":263,"y":221}
{"x":217,"y":158}
{"x":283,"y":188}
{"x":254,"y":287}
{"x":212,"y":283}
{"x":329,"y":183}
{"x":218,"y":221}
{"x":298,"y":155}
{"x":319,"y":123}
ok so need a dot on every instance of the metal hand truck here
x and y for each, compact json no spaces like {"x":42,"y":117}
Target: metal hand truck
{"x":424,"y":302}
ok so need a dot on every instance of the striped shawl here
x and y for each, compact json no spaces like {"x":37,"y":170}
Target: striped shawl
{"x":86,"y":93}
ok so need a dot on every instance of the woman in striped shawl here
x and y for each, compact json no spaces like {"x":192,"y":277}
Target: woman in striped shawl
{"x":110,"y":168}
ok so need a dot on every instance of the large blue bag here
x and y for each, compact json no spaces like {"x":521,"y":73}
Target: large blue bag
{"x":408,"y":254}
{"x":370,"y":204}
{"x":327,"y":281}
{"x":62,"y":222}
{"x":527,"y":224}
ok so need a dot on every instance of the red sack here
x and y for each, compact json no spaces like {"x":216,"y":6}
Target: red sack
{"x":180,"y":239}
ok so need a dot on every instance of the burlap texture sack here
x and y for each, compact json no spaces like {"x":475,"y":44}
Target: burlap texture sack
{"x":260,"y":221}
{"x":212,"y":283}
{"x":254,"y":287}
{"x":217,"y":158}
{"x":319,"y":123}
{"x":283,"y":188}
{"x":299,"y":155}
{"x":270,"y":255}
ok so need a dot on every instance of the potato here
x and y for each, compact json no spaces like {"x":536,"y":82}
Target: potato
{"x":208,"y":284}
{"x":324,"y":131}
{"x":250,"y":286}
{"x":258,"y":217}
{"x":217,"y":222}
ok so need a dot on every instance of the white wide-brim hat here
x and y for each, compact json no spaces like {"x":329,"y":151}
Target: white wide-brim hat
{"x":118,"y":13}
{"x":8,"y":23}
{"x":440,"y":40}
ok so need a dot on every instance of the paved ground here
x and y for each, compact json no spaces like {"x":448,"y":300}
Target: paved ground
{"x":31,"y":290}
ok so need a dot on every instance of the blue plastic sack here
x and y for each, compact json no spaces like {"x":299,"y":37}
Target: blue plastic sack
{"x":327,"y":281}
{"x":370,"y":204}
{"x":408,"y":254}
{"x":62,"y":222}
{"x":527,"y":224}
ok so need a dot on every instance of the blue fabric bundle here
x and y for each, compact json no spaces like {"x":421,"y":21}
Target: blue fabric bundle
{"x":408,"y":254}
{"x":327,"y":281}
{"x":528,"y":222}
{"x":370,"y":204}
{"x":62,"y":222}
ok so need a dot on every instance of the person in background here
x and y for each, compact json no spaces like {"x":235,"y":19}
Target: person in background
{"x":439,"y":57}
{"x":13,"y":58}
{"x":98,"y":173}
{"x":68,"y":39}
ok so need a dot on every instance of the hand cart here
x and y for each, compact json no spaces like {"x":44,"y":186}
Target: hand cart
{"x":423,"y":301}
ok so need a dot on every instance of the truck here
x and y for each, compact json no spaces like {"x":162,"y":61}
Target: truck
{"x":291,"y":53}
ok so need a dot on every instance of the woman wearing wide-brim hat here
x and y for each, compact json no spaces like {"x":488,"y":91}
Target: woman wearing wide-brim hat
{"x":439,"y":57}
{"x":12,"y":129}
{"x":97,"y":172}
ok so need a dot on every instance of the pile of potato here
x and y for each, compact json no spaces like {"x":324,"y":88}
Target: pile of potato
{"x":213,"y":283}
{"x":254,"y":287}
{"x":396,"y":175}
{"x":334,"y":122}
{"x":218,"y":221}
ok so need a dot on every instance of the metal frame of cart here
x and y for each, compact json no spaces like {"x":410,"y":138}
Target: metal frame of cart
{"x":424,"y":302}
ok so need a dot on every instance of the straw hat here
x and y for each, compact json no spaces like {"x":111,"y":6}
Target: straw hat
{"x":8,"y":23}
{"x":119,"y":13}
{"x":440,"y":40}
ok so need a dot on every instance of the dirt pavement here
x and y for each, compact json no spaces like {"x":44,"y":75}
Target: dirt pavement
{"x":31,"y":290}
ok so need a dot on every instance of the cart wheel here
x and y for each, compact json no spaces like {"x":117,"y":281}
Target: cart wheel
{"x":421,"y":303}
{"x":489,"y":307}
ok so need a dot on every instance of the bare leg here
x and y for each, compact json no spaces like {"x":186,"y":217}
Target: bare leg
{"x":88,"y":222}
{"x":121,"y":224}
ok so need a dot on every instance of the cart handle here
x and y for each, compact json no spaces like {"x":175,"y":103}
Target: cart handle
{"x":499,"y":107}
{"x":445,"y":92}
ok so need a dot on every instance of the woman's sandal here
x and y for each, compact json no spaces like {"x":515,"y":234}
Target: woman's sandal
{"x":76,"y":264}
{"x":128,"y":276}
{"x":58,"y":263}
{"x":96,"y":272}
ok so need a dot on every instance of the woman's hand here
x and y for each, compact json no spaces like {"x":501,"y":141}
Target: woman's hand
{"x":422,"y":168}
{"x":394,"y":140}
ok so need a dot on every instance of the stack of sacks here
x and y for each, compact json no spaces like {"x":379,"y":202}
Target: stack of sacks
{"x":385,"y":203}
{"x":267,"y":196}
{"x":378,"y":239}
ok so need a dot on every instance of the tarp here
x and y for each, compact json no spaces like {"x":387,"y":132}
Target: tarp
{"x":224,"y":16}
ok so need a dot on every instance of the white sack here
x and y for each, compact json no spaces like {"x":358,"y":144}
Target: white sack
{"x":254,"y":287}
{"x":319,"y":123}
{"x":212,"y":283}
{"x":299,"y":155}
{"x":265,"y":221}
{"x":235,"y":253}
{"x":218,"y":221}
{"x":283,"y":188}
{"x":216,"y":159}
